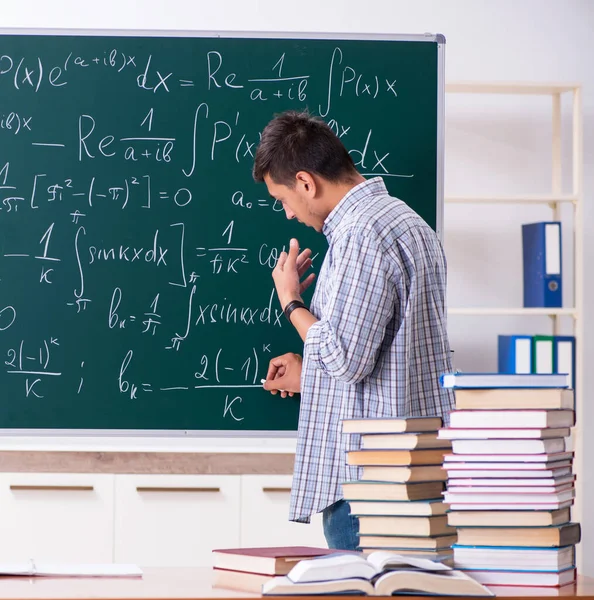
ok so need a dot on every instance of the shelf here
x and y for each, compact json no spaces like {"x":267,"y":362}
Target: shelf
{"x":520,"y":199}
{"x":558,"y":95}
{"x":462,"y":87}
{"x":479,"y":311}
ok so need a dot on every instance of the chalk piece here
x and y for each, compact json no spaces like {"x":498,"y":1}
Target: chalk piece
{"x":263,"y":381}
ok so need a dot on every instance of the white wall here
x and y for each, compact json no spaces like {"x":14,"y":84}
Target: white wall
{"x":493,"y":146}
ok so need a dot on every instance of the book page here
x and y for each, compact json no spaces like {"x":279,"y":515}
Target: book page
{"x":387,"y":560}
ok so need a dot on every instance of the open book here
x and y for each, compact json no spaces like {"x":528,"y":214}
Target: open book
{"x":378,"y":574}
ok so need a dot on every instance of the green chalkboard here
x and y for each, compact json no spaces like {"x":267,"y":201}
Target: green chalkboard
{"x":135,"y":249}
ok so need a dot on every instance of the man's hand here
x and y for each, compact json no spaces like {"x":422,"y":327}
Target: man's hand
{"x":288,"y":272}
{"x":284,"y":375}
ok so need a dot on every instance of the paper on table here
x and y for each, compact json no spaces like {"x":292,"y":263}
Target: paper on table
{"x":31,"y":568}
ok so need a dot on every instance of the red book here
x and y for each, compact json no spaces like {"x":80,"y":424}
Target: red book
{"x":266,"y":561}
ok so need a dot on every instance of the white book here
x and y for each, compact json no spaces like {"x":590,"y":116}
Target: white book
{"x":508,"y":446}
{"x":498,"y":434}
{"x":46,"y":569}
{"x":514,"y":559}
{"x":505,"y":419}
{"x":508,"y":458}
{"x":507,"y":498}
{"x":511,"y":472}
{"x":494,"y":505}
{"x":510,"y":481}
{"x":510,"y":489}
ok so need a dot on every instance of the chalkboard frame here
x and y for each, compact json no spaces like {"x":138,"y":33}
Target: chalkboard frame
{"x":438,"y":39}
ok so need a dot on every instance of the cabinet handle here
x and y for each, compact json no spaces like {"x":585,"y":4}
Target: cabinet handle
{"x":59,"y":488}
{"x":275,"y":489}
{"x":177,"y":489}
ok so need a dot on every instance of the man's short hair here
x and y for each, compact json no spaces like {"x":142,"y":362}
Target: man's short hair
{"x":297,"y":141}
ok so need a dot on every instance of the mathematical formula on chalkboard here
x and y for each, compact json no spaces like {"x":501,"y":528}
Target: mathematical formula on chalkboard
{"x":135,"y":249}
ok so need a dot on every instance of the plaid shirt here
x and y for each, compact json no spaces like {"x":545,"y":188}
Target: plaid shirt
{"x":380,"y":343}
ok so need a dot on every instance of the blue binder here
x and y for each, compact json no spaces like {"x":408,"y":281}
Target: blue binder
{"x":564,"y":356}
{"x":541,"y":243}
{"x":514,"y":354}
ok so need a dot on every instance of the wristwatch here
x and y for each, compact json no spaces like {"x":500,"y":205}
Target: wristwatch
{"x":291,"y":306}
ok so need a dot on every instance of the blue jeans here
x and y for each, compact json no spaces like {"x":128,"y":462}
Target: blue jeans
{"x":340,"y":527}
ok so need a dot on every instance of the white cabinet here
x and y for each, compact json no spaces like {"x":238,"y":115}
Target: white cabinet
{"x":57,"y":517}
{"x":149,"y":520}
{"x":175,"y":520}
{"x":265,"y":512}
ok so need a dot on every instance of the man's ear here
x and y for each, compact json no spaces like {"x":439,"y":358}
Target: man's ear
{"x":307,"y":182}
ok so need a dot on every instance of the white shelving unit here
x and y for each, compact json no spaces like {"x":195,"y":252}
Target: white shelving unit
{"x":554,"y":200}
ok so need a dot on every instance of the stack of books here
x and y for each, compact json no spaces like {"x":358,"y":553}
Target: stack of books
{"x":398,"y":496}
{"x":248,"y":569}
{"x":510,"y":483}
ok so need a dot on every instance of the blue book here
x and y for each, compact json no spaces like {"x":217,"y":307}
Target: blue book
{"x":503,"y":380}
{"x":541,"y":244}
{"x":514,"y":354}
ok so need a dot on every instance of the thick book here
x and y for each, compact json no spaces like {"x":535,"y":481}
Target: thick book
{"x":503,"y":434}
{"x":404,"y":508}
{"x":538,"y":505}
{"x":515,"y":399}
{"x":522,"y":578}
{"x":504,"y":380}
{"x":405,"y":526}
{"x":277,"y":560}
{"x":396,"y":457}
{"x":511,"y":470}
{"x":474,"y":497}
{"x":508,"y":518}
{"x":32,"y":568}
{"x":508,"y":419}
{"x":514,"y":559}
{"x":505,"y":447}
{"x":553,"y":536}
{"x":511,"y":482}
{"x":509,"y":458}
{"x":384,"y":490}
{"x":391,"y":425}
{"x":402,"y":543}
{"x":403,"y":474}
{"x":402,"y":441}
{"x":378,"y":574}
{"x":528,"y":490}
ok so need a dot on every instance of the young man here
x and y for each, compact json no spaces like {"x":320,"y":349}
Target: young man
{"x":375,"y":338}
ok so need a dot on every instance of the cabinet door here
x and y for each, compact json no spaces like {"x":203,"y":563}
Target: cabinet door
{"x":175,"y":520}
{"x":265,"y":513}
{"x":56,"y":517}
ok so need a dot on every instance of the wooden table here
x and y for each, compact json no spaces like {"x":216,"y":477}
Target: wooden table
{"x":183,"y":583}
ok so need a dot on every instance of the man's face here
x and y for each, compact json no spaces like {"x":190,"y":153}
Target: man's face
{"x":297,"y":202}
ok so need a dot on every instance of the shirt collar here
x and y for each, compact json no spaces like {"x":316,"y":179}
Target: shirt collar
{"x":370,"y":187}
